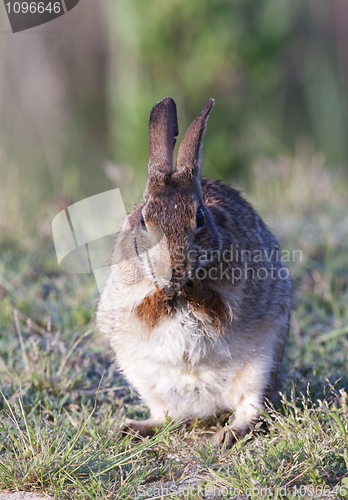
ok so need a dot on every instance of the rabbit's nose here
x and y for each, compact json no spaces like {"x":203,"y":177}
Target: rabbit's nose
{"x":178,"y":274}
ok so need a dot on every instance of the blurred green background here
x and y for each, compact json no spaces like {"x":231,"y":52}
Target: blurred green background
{"x":76,"y":93}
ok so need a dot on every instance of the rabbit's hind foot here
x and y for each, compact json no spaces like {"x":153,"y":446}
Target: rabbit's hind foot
{"x":140,"y":428}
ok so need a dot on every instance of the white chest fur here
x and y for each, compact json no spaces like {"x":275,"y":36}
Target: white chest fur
{"x":183,"y":366}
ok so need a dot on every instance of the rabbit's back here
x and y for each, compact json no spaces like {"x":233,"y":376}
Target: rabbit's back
{"x":251,"y":253}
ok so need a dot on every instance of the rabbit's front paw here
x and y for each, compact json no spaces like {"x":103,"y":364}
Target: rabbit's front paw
{"x":227,"y":436}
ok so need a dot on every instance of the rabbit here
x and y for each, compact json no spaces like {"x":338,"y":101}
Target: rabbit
{"x":197,"y":303}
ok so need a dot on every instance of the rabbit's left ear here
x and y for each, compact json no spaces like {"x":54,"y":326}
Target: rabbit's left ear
{"x":163,"y":128}
{"x":189,"y":161}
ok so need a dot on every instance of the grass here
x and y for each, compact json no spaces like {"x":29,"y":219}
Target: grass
{"x":62,"y":400}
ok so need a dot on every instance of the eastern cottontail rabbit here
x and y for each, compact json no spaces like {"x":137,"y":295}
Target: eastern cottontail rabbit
{"x":197,"y":303}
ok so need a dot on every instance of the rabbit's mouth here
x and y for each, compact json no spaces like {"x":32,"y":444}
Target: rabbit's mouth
{"x":174,"y":288}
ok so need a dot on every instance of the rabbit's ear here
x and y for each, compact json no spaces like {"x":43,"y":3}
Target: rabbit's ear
{"x":163,"y":127}
{"x":189,"y":162}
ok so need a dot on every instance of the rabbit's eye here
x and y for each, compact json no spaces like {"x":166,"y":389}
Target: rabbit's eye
{"x":142,"y":222}
{"x":200,"y":218}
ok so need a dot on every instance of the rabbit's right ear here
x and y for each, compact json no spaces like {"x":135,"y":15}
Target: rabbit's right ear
{"x":189,"y":161}
{"x":163,"y":127}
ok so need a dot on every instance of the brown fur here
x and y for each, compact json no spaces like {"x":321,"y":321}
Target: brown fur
{"x":200,"y":298}
{"x":154,"y":307}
